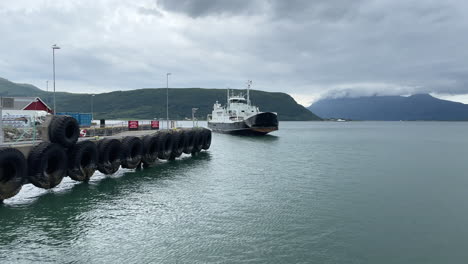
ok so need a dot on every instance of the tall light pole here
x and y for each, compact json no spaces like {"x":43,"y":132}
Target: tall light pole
{"x":1,"y":121}
{"x":54,"y":47}
{"x":167,"y":98}
{"x":92,"y":109}
{"x":47,"y":92}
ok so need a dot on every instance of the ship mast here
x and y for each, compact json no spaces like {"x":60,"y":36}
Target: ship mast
{"x":227,"y":102}
{"x":249,"y":83}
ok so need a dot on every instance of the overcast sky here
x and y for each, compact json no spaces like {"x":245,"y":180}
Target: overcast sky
{"x":307,"y":48}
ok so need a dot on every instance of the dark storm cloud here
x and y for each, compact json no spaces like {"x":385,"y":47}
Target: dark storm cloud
{"x":305,"y":48}
{"x":351,"y":45}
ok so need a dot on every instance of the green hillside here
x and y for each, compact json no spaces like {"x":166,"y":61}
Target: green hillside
{"x":8,"y":88}
{"x":151,"y":103}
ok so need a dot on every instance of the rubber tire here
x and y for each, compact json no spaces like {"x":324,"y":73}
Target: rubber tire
{"x":132,"y":151}
{"x":47,"y":163}
{"x":13,"y":171}
{"x":166,"y":142}
{"x":207,"y":139}
{"x":150,"y":150}
{"x":197,"y":141}
{"x":179,"y":144}
{"x":64,"y":130}
{"x":109,"y":155}
{"x":82,"y":160}
{"x":190,"y":137}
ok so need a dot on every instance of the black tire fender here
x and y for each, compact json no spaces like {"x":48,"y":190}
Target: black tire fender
{"x":109,"y":155}
{"x":190,"y":140}
{"x":64,"y":130}
{"x":132,"y":151}
{"x":82,"y":160}
{"x":179,"y":144}
{"x":13,"y":171}
{"x":150,"y":150}
{"x":207,"y":139}
{"x":197,"y":141}
{"x":166,"y":142}
{"x":47,"y":164}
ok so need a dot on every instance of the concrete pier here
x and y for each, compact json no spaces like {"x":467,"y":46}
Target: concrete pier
{"x":60,"y":152}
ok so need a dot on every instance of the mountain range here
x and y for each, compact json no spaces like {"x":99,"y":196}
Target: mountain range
{"x":151,"y":103}
{"x":391,"y":108}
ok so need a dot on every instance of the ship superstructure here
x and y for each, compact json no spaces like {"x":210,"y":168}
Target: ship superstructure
{"x":239,"y":116}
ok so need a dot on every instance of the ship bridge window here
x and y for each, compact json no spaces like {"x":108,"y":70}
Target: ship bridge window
{"x":237,"y":101}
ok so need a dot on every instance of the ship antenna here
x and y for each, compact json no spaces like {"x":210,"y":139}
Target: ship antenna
{"x":227,"y":102}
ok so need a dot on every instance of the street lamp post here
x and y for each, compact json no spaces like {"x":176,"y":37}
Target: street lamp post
{"x":92,"y":109}
{"x":2,"y":135}
{"x":47,"y":92}
{"x":54,"y":47}
{"x":193,"y":115}
{"x":167,"y":98}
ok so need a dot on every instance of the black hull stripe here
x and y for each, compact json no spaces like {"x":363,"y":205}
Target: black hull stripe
{"x":260,"y":124}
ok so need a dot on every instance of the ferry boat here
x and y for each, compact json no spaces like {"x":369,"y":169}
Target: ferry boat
{"x":240,"y":117}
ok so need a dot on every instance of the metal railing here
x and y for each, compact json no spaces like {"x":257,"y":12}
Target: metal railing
{"x":16,"y":133}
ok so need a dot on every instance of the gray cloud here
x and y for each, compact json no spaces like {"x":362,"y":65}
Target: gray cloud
{"x":317,"y":11}
{"x":150,"y":11}
{"x":278,"y":9}
{"x":200,"y":8}
{"x":305,"y":48}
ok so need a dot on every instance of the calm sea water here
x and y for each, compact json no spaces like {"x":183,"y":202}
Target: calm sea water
{"x":313,"y":192}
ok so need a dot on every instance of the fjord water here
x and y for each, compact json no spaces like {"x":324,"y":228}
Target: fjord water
{"x":312,"y":192}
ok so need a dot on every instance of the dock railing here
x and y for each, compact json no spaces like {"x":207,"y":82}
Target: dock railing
{"x":15,"y":133}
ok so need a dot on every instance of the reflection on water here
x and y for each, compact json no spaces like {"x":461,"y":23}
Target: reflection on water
{"x":102,"y":183}
{"x":312,"y":192}
{"x":264,"y":138}
{"x":56,"y":214}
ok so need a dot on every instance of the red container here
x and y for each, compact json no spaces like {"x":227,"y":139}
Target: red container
{"x":154,"y":124}
{"x":133,"y":125}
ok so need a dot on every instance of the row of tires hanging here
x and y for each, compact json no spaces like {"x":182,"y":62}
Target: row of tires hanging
{"x":61,"y":154}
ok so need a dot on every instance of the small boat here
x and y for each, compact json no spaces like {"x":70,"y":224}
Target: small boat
{"x":240,"y":117}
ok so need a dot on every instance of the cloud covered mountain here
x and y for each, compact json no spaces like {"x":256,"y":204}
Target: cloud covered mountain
{"x":391,"y":108}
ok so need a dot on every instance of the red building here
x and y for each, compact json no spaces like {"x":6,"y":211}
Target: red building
{"x":25,"y":103}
